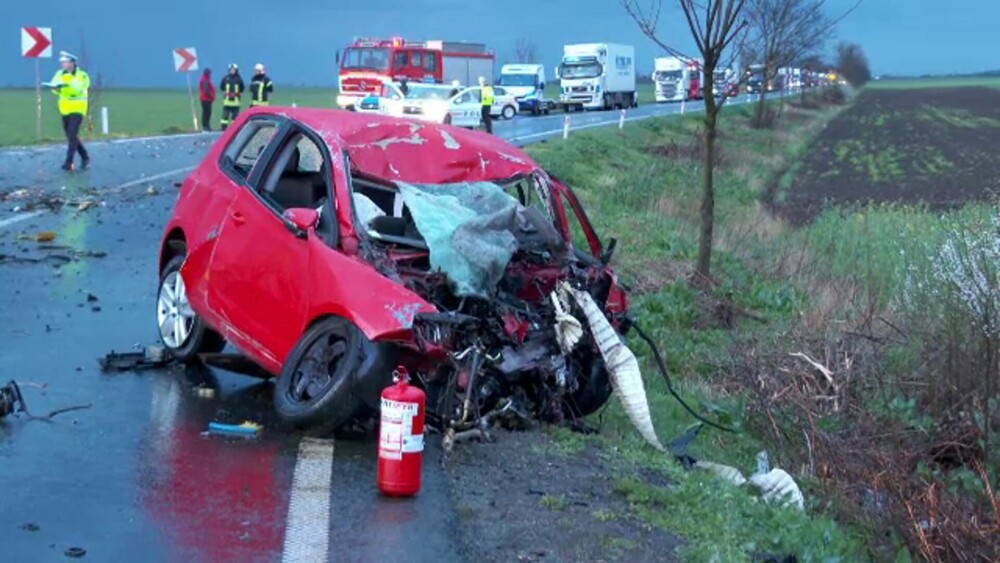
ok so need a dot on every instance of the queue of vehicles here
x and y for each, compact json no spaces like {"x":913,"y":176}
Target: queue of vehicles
{"x":436,"y":80}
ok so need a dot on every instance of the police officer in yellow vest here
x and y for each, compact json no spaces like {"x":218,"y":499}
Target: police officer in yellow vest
{"x":71,"y":84}
{"x":486,"y":95}
{"x":260,"y":87}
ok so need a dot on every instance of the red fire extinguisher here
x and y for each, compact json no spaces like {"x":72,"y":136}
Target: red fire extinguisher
{"x":401,"y":437}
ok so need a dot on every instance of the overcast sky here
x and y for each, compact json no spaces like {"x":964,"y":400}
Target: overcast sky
{"x":298,"y":39}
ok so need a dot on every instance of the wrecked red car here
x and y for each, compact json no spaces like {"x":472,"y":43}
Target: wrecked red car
{"x":331,"y":247}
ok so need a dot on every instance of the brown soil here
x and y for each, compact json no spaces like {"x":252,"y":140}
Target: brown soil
{"x":930,"y":146}
{"x":520,"y":499}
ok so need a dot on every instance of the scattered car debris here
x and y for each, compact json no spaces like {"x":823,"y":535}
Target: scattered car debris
{"x":75,"y":552}
{"x":151,"y":190}
{"x":44,"y":236}
{"x":30,"y":527}
{"x":775,"y":485}
{"x":204,"y":391}
{"x":85,"y":205}
{"x":246,"y":430}
{"x":151,"y":357}
{"x":12,"y":401}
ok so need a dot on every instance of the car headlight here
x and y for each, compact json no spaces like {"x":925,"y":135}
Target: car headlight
{"x":436,"y":109}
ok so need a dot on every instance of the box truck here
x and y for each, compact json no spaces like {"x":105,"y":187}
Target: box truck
{"x":527,"y":83}
{"x":597,"y":76}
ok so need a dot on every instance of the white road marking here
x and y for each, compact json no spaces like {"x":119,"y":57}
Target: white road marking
{"x":32,"y":214}
{"x":307,"y":529}
{"x":18,"y":218}
{"x":154,"y":177}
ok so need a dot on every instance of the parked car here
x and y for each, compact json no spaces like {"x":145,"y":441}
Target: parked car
{"x":330,"y":247}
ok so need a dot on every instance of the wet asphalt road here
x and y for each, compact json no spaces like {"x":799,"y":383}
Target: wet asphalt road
{"x":132,"y":477}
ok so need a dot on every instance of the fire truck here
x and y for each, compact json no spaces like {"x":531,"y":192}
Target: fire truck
{"x":367,"y":64}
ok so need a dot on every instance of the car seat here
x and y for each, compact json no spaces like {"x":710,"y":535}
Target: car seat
{"x":296,"y":188}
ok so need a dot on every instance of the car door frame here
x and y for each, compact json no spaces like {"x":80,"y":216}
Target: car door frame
{"x":463,"y":116}
{"x":269,"y":355}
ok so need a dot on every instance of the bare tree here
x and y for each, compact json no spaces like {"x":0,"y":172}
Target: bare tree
{"x":781,"y":32}
{"x":715,"y":25}
{"x":525,"y":51}
{"x":853,"y":64}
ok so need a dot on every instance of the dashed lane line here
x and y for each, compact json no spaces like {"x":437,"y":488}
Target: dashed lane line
{"x":307,"y":529}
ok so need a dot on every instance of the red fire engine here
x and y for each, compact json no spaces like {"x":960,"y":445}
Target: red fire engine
{"x":367,"y":63}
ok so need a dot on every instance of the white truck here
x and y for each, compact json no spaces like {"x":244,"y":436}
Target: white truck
{"x":597,"y":76}
{"x":527,"y":83}
{"x":677,"y":79}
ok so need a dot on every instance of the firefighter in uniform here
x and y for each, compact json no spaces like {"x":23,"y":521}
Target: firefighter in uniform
{"x":71,"y":85}
{"x":260,"y":87}
{"x":486,"y":93}
{"x":232,"y":92}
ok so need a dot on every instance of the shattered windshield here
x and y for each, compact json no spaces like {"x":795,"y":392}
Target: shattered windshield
{"x":366,"y":58}
{"x":580,"y":70}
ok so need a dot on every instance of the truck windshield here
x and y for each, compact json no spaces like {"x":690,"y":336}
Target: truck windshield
{"x":580,"y":70}
{"x":366,"y":58}
{"x":518,"y":80}
{"x":668,"y":75}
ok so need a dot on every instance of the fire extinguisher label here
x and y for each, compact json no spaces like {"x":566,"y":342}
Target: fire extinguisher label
{"x":396,"y":430}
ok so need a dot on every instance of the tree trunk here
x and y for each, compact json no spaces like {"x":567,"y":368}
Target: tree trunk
{"x":704,"y":268}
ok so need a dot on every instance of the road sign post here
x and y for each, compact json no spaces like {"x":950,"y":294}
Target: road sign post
{"x":186,"y":61}
{"x":36,"y":43}
{"x":566,"y":127}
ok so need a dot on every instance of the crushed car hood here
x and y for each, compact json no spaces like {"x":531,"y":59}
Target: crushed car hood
{"x":421,"y":153}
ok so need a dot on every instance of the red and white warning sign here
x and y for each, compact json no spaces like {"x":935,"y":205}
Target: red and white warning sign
{"x":185,"y":59}
{"x":36,"y":42}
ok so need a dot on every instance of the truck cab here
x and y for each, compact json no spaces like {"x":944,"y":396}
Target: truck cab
{"x":597,"y":76}
{"x":677,"y":79}
{"x":526,"y":82}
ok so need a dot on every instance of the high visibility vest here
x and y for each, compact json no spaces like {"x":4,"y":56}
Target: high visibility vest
{"x":487,"y":95}
{"x":73,"y":94}
{"x":231,"y":91}
{"x":260,"y":87}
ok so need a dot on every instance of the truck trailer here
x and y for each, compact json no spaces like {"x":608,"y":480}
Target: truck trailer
{"x":597,"y":76}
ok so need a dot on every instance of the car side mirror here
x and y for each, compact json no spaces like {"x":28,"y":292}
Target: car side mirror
{"x":299,"y":220}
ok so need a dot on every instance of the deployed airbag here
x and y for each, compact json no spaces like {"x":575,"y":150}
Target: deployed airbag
{"x":469,"y":230}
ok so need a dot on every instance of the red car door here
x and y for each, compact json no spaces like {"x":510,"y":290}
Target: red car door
{"x":261,"y":271}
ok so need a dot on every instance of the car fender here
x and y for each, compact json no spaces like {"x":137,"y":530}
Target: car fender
{"x":346,"y":286}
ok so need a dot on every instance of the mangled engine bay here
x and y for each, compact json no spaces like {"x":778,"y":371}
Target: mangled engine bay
{"x":518,"y":306}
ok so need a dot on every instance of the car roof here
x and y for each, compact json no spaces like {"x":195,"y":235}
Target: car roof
{"x":397,"y":149}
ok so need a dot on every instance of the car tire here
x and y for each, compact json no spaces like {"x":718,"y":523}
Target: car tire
{"x":508,"y":112}
{"x":184,"y":334}
{"x":594,"y":390}
{"x":317,"y":388}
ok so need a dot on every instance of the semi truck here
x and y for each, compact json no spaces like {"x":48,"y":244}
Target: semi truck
{"x":597,"y":76}
{"x":527,"y":83}
{"x":367,"y":63}
{"x":677,"y":79}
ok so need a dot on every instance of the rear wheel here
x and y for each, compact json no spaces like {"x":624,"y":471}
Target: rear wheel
{"x":508,"y":112}
{"x":316,"y":388}
{"x":182,"y":331}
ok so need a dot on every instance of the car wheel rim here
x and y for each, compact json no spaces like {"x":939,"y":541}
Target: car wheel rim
{"x":173,"y":313}
{"x":314,"y":375}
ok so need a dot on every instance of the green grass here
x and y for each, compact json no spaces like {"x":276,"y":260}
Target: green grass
{"x":649,"y":203}
{"x":132,"y":112}
{"x":942,"y":82}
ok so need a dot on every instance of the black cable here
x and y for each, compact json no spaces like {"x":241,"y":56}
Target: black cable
{"x":670,"y":385}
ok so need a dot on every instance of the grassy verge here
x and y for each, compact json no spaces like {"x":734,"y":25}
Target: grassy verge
{"x":861,"y":350}
{"x":642,"y":186}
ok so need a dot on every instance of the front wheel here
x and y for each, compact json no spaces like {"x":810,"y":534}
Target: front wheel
{"x":316,"y":388}
{"x":508,"y":112}
{"x":183,"y":333}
